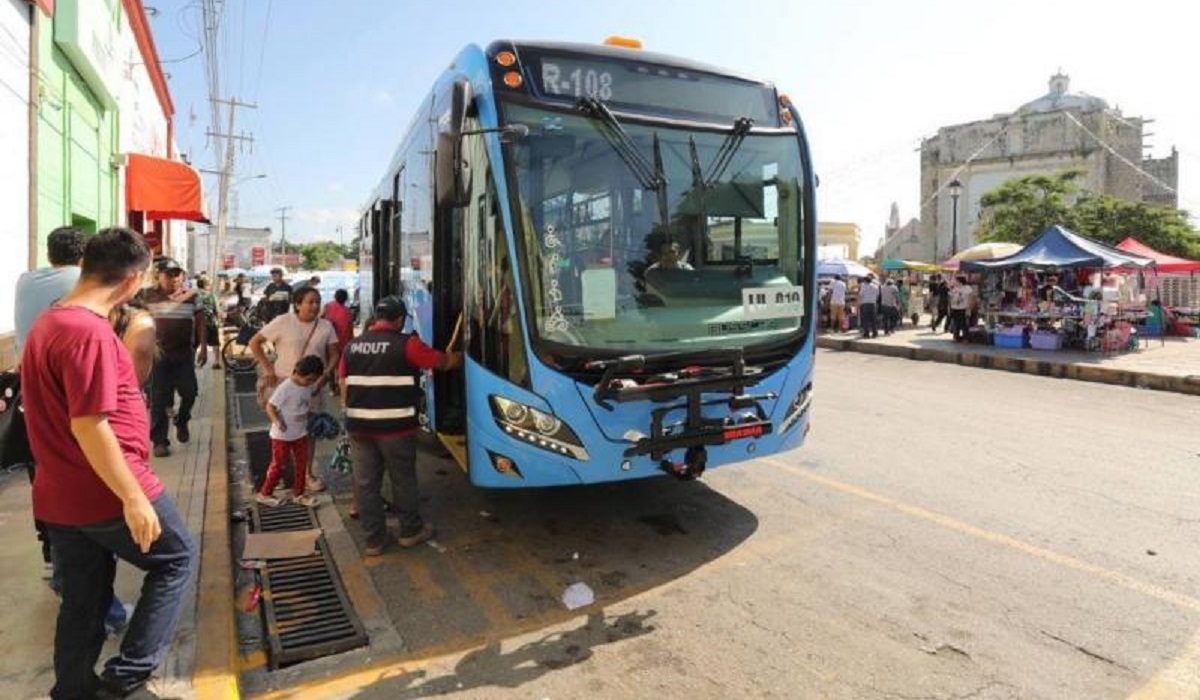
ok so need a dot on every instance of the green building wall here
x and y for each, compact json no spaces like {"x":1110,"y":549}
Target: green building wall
{"x":77,"y":138}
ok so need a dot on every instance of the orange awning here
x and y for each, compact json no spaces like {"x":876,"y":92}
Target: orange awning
{"x":163,"y":189}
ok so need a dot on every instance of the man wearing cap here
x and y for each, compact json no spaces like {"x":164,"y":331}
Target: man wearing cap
{"x":180,"y":328}
{"x":381,"y":392}
{"x":277,"y":297}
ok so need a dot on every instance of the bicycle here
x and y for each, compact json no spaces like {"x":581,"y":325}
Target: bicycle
{"x":236,"y":351}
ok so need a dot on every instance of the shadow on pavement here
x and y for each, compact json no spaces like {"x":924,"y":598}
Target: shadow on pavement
{"x":501,"y":561}
{"x":491,"y":667}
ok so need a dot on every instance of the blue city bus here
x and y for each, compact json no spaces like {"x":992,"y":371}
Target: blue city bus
{"x":622,"y":244}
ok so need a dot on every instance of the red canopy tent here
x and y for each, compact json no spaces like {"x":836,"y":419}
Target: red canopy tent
{"x":1162,"y":262}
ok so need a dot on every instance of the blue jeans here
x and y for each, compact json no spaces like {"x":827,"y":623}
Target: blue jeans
{"x":114,"y":619}
{"x":86,"y":559}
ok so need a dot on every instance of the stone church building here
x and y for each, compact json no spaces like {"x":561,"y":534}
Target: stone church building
{"x":1058,"y":131}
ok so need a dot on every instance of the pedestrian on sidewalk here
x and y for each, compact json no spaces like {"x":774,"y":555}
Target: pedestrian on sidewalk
{"x":837,"y":304}
{"x":296,"y":335}
{"x":182,"y":332}
{"x":338,"y":314}
{"x":36,"y":291}
{"x":940,"y":293}
{"x":212,"y":317}
{"x":95,"y":488}
{"x":381,"y":393}
{"x":889,"y":304}
{"x":276,"y":298}
{"x":288,"y":411}
{"x":868,"y":305}
{"x":960,"y":303}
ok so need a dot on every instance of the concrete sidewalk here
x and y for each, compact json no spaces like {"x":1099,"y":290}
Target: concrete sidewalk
{"x":29,"y":610}
{"x":1168,"y":364}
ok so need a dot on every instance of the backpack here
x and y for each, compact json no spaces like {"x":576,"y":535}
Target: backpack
{"x":14,"y":439}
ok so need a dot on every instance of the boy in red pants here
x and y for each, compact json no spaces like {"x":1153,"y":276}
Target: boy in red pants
{"x":288,"y":411}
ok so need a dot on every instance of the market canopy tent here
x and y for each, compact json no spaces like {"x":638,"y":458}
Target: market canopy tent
{"x":1162,"y":261}
{"x":896,"y":264}
{"x":846,"y":268}
{"x":1059,"y":248}
{"x":982,"y":251}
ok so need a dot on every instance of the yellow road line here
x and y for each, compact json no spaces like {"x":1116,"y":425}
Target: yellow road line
{"x":1124,"y":580}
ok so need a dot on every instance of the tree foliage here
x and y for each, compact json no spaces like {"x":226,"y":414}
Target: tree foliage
{"x":1021,"y":209}
{"x":321,"y":255}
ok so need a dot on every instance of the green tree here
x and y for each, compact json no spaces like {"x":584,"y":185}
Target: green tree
{"x":1111,"y":220}
{"x":1021,"y":209}
{"x":321,"y":255}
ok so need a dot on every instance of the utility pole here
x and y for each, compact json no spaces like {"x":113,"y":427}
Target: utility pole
{"x":283,"y":217}
{"x":226,"y":175}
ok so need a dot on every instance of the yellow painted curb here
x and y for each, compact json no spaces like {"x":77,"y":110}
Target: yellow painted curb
{"x":215,"y":676}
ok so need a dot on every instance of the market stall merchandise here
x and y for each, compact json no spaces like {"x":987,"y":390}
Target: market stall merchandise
{"x":1029,"y":290}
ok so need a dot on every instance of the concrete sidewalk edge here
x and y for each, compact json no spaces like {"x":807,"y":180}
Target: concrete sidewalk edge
{"x":216,"y":674}
{"x":1044,"y":368}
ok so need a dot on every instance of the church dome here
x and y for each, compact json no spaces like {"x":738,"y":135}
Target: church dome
{"x":1059,"y":99}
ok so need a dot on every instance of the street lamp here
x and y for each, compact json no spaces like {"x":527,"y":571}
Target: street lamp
{"x":955,"y":188}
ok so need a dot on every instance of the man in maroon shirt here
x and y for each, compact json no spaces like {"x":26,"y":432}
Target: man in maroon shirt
{"x":94,"y":487}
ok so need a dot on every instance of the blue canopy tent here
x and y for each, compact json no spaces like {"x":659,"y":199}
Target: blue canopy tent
{"x":1059,"y":248}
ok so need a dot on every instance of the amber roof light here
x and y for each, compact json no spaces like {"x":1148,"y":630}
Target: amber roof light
{"x":623,"y":41}
{"x":506,"y":58}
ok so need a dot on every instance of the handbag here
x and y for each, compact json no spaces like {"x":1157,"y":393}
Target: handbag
{"x":14,"y":439}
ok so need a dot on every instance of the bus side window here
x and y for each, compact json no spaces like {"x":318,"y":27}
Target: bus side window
{"x":495,"y":337}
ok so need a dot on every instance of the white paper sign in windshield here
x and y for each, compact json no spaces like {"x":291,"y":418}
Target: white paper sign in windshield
{"x":773,"y":302}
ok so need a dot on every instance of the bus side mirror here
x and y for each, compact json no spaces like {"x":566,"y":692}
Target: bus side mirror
{"x":451,"y":171}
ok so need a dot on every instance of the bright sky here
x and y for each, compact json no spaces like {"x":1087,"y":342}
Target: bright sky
{"x":336,"y":83}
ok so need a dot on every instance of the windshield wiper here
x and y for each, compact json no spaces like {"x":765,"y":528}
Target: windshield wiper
{"x":650,"y":177}
{"x":731,"y":144}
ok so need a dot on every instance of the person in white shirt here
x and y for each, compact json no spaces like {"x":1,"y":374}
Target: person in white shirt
{"x":960,"y":303}
{"x":868,"y":304}
{"x":837,"y":304}
{"x":296,"y":335}
{"x":288,"y":411}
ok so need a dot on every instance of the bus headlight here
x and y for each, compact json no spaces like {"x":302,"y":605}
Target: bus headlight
{"x":537,"y":428}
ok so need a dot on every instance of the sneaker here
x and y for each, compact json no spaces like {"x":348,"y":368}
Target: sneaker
{"x":162,"y":451}
{"x":306,"y":500}
{"x":374,"y":550}
{"x":422,"y":535}
{"x":314,"y":485}
{"x":182,"y":434}
{"x":265,"y":500}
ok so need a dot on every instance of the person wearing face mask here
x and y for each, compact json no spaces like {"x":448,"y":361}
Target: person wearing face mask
{"x":181,"y":329}
{"x":296,"y":335}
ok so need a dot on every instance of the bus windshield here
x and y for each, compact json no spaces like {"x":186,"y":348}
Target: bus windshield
{"x":658,"y":238}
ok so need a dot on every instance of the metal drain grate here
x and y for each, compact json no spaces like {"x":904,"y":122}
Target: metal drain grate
{"x":248,"y":412}
{"x":308,"y":613}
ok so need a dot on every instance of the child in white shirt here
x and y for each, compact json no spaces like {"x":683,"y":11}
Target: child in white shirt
{"x":288,"y":411}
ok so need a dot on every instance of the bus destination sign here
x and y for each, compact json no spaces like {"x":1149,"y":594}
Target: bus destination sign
{"x":638,"y":85}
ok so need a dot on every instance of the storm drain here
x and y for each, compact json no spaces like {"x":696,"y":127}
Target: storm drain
{"x":248,"y":413}
{"x":307,"y":610}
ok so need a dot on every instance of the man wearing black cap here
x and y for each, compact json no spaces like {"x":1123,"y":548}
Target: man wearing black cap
{"x":381,"y":391}
{"x":180,"y":326}
{"x":277,"y":297}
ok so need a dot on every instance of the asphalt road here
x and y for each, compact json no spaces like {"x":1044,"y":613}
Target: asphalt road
{"x":945,"y":533}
